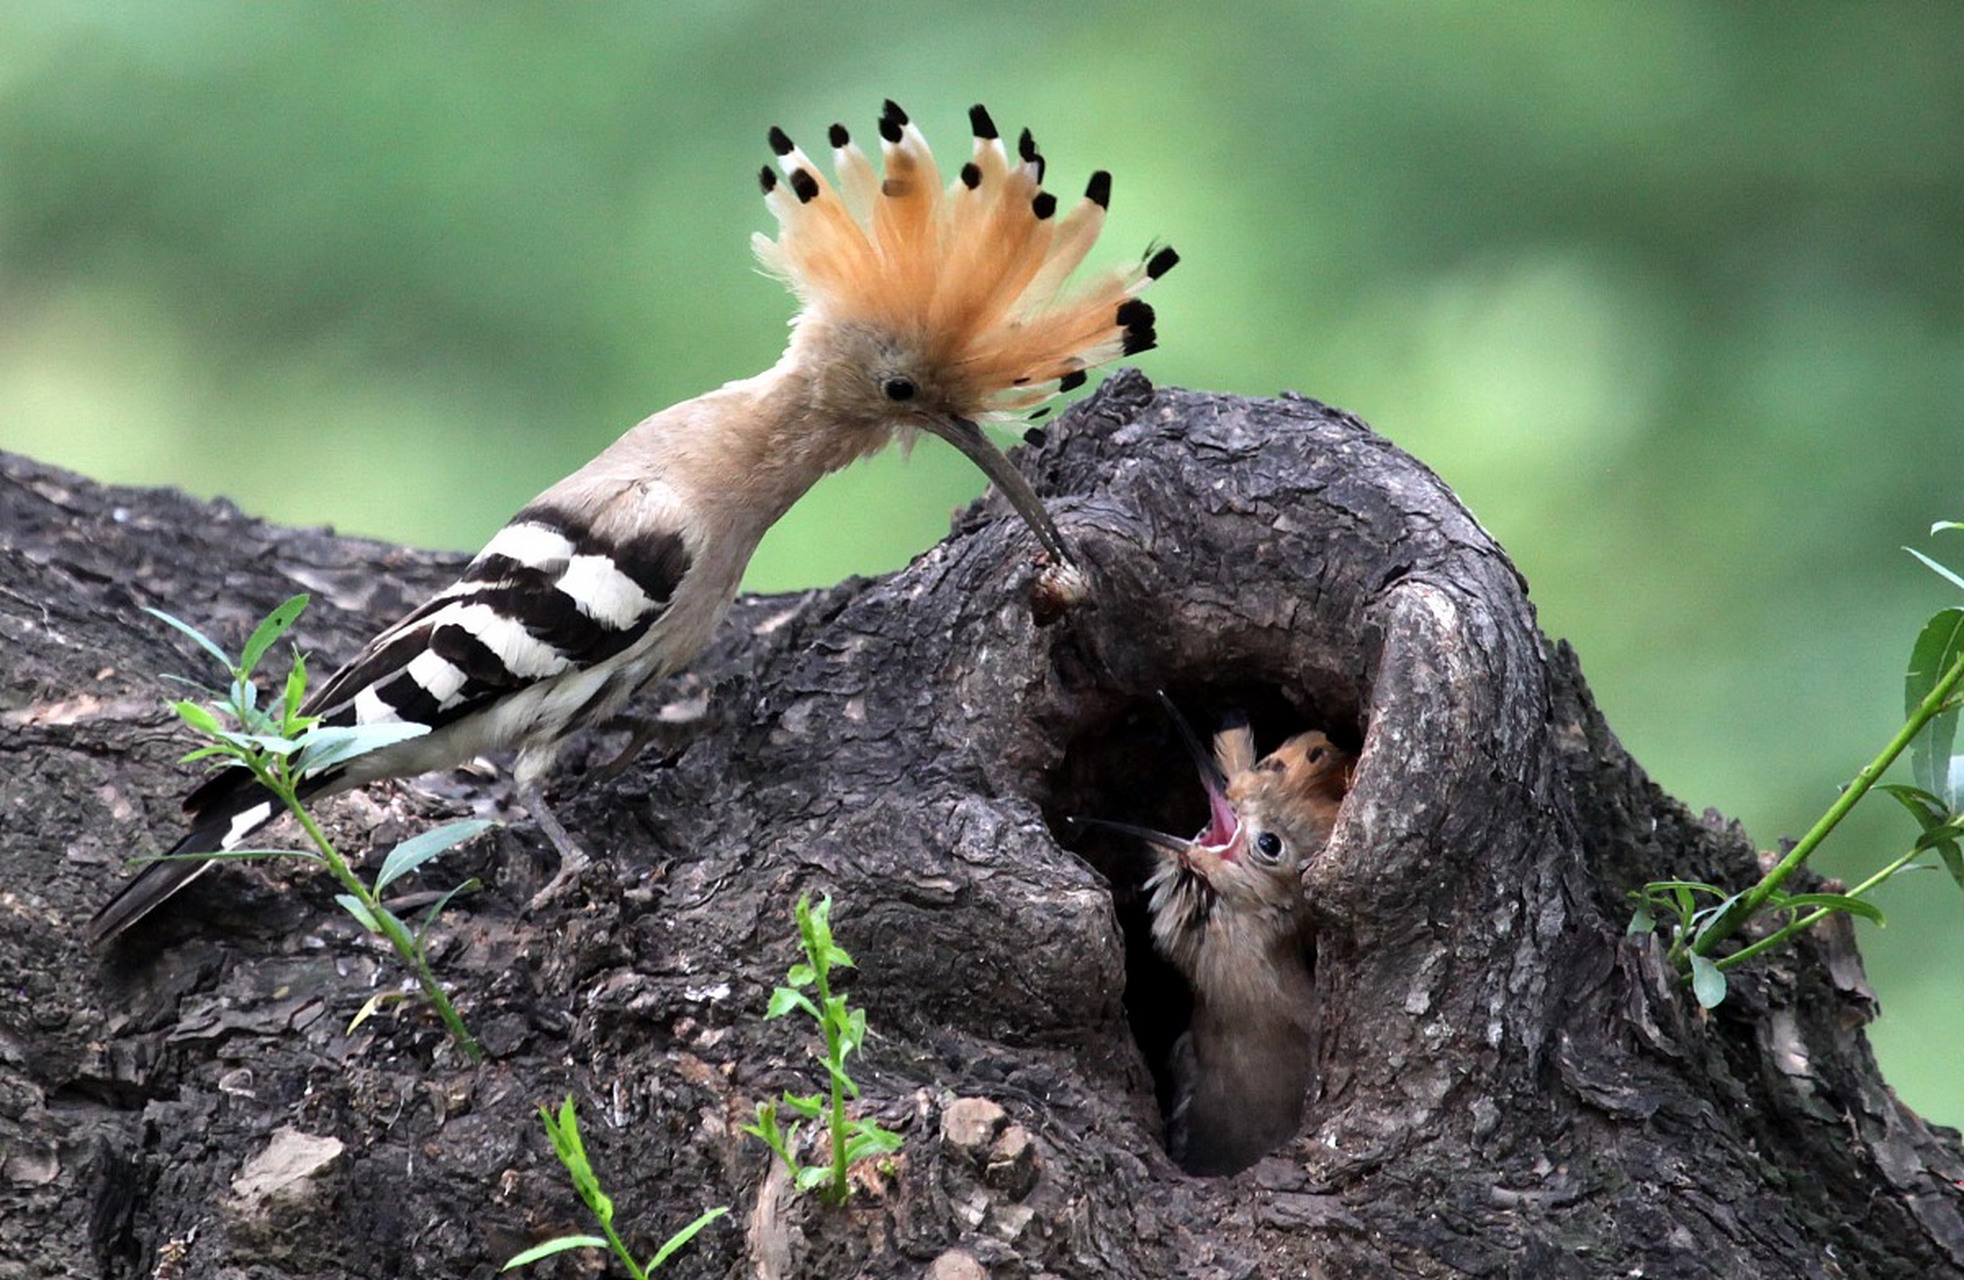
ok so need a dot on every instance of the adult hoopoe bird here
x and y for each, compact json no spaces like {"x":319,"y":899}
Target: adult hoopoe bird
{"x":921,"y":309}
{"x":1227,"y":911}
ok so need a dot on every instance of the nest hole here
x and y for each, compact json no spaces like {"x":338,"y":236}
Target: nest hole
{"x":1133,"y":767}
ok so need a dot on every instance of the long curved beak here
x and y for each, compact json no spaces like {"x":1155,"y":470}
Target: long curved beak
{"x":1222,"y":824}
{"x":967,"y":436}
{"x":1157,"y":839}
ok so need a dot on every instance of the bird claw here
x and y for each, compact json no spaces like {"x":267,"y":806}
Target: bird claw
{"x":573,"y":860}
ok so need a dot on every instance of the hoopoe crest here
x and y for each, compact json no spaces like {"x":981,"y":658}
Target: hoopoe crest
{"x":969,"y":286}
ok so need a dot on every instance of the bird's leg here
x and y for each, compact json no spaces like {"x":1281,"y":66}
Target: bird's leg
{"x":674,"y":725}
{"x":646,"y":730}
{"x":573,"y":860}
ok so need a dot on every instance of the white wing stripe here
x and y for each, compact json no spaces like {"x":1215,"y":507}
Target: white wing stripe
{"x":245,"y":822}
{"x":439,"y":677}
{"x":370,"y":709}
{"x":535,"y":546}
{"x":524,"y":657}
{"x":603,"y":592}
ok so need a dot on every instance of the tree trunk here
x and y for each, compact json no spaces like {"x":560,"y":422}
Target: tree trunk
{"x":1509,"y":1085}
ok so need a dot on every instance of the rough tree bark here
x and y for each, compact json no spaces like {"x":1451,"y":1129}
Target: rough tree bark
{"x":1510,"y":1086}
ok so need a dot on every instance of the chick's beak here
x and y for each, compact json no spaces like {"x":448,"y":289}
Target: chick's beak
{"x":968,"y":437}
{"x":1223,"y":829}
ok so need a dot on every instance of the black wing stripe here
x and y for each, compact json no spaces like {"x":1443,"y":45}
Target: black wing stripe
{"x":412,"y":702}
{"x":655,"y":562}
{"x":482,"y":667}
{"x":391,"y":651}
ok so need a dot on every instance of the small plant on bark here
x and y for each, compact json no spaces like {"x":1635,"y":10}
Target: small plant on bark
{"x":564,"y":1130}
{"x":1703,"y":916}
{"x":844,"y":1031}
{"x":281,"y":748}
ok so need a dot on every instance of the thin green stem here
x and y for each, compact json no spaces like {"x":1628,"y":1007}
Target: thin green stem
{"x":836,"y":1070}
{"x":390,"y":927}
{"x":1813,"y":917}
{"x":620,"y":1248}
{"x":1750,"y":902}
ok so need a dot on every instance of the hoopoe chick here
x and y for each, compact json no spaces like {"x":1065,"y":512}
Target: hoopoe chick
{"x":1227,"y":911}
{"x":922,"y":308}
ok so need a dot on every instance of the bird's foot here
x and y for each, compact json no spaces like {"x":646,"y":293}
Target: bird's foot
{"x":573,"y":860}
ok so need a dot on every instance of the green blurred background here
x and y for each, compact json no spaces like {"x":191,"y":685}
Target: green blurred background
{"x":1669,"y":292}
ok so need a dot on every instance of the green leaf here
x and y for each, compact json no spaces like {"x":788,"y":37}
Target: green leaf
{"x":415,"y":851}
{"x":815,"y":927}
{"x":1834,"y":902}
{"x":812,"y":1175}
{"x":557,"y":1245}
{"x":1928,"y":810}
{"x":682,"y":1237}
{"x":1684,"y":886}
{"x":766,"y":1127}
{"x":852,"y":1030}
{"x":1707,"y":982}
{"x":1704,"y":916}
{"x":870,"y":1140}
{"x":1938,"y":648}
{"x":1945,"y":841}
{"x":267,"y":743}
{"x":1641,"y":922}
{"x":801,"y":975}
{"x":219,"y":749}
{"x":571,"y":1150}
{"x":209,"y":645}
{"x":809,"y":1105}
{"x":245,"y":703}
{"x":275,"y":625}
{"x":295,"y":693}
{"x":371,"y":1006}
{"x":359,"y":910}
{"x":837,"y":1071}
{"x":563,"y":1130}
{"x":436,"y":908}
{"x":1936,"y":568}
{"x":784,"y":1000}
{"x":1947,"y":832}
{"x":337,"y":744}
{"x":198,"y":716}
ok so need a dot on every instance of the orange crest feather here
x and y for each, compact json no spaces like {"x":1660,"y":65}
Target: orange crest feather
{"x":977,"y":274}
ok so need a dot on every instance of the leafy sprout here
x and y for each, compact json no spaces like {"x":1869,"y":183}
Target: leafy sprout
{"x":282,"y":749}
{"x":1699,"y":918}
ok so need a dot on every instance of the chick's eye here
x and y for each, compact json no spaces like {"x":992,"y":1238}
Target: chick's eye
{"x":1268,"y":845}
{"x":899,"y":388}
{"x":1316,"y":755}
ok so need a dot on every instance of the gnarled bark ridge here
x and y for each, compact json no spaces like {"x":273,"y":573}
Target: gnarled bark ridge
{"x":1508,"y":1085}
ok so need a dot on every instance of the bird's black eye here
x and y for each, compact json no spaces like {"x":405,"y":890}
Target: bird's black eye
{"x":1268,"y":845}
{"x":1315,"y":755}
{"x":899,"y":388}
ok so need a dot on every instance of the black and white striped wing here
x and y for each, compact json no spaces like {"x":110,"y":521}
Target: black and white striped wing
{"x":545,"y":598}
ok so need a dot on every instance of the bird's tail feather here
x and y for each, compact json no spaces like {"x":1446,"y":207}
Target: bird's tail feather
{"x":227,"y":809}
